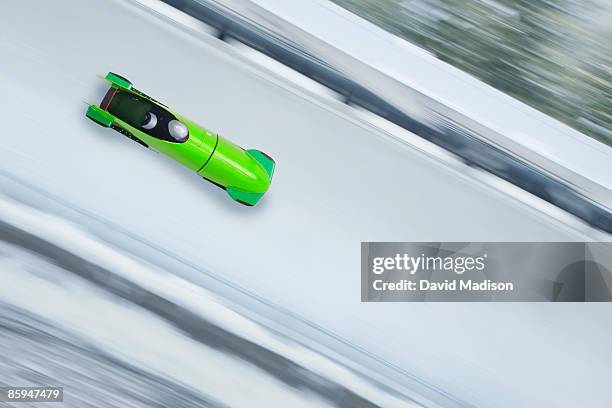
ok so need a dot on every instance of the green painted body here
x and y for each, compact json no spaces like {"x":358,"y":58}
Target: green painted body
{"x":244,"y":174}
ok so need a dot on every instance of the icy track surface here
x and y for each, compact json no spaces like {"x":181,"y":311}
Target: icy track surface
{"x":339,"y":181}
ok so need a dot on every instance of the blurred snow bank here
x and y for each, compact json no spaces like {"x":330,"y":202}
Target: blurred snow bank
{"x":116,"y":331}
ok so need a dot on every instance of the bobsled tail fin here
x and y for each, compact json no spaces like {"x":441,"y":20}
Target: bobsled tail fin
{"x":100,"y":116}
{"x":244,"y":197}
{"x":266,"y":161}
{"x":118,"y":81}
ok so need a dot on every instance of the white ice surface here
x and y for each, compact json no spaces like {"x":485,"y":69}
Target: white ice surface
{"x":338,"y":182}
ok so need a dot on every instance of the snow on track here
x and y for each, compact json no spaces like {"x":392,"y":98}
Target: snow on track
{"x":339,"y":181}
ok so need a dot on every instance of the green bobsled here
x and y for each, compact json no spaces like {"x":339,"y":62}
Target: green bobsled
{"x":245,"y":174}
